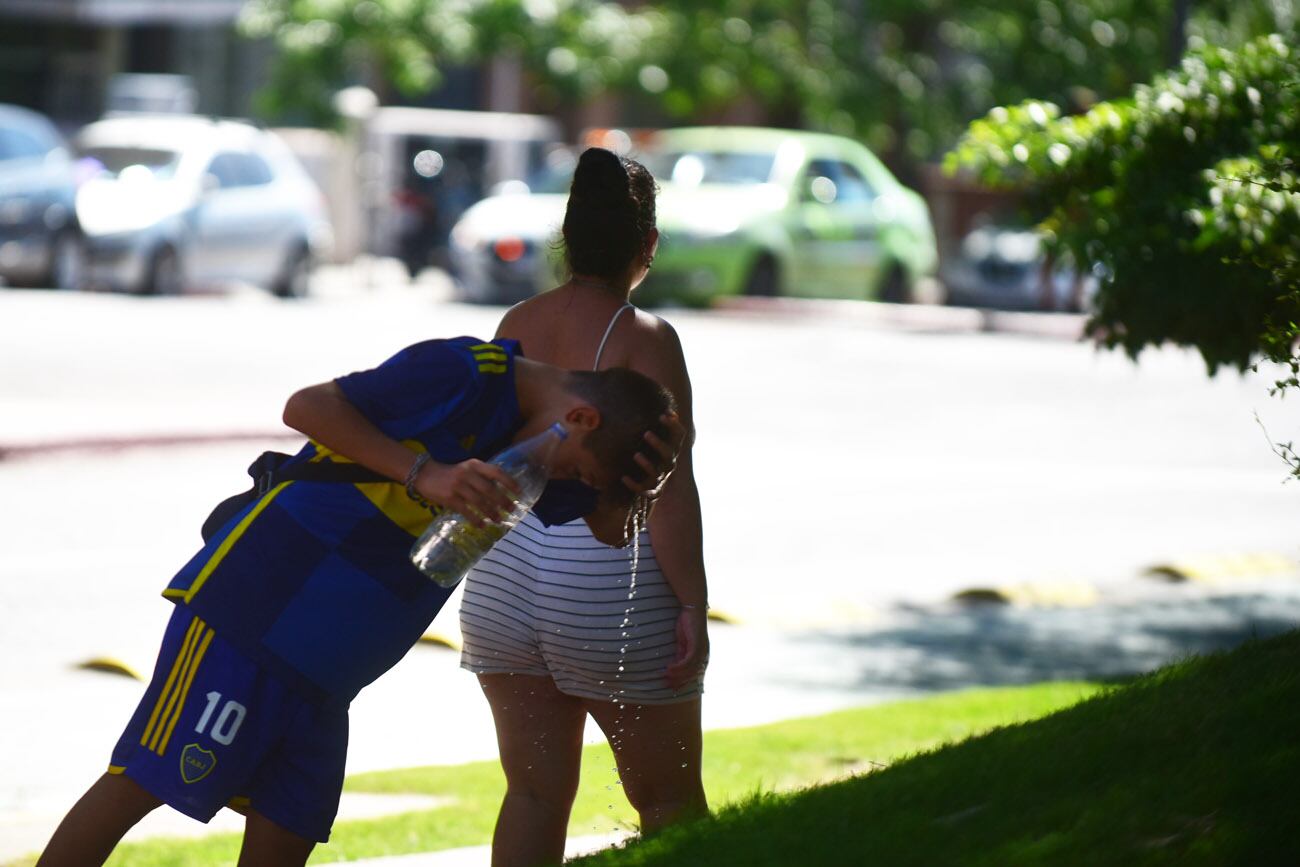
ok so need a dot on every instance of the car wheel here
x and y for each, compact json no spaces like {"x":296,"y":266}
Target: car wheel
{"x":762,"y":281}
{"x":896,"y":287}
{"x":295,"y":280}
{"x":164,"y":276}
{"x":67,"y":261}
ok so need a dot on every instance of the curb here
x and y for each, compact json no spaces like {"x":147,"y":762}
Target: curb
{"x":1210,"y":571}
{"x":1227,"y":569}
{"x":111,"y":665}
{"x":1057,"y":594}
{"x":131,"y":441}
{"x":478,"y":856}
{"x":913,"y":317}
{"x":438,"y":638}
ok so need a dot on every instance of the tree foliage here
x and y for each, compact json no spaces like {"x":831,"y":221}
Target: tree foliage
{"x":324,"y":45}
{"x":1182,"y":198}
{"x":903,"y":75}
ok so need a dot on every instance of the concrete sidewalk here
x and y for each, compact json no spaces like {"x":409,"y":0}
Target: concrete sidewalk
{"x":481,"y":856}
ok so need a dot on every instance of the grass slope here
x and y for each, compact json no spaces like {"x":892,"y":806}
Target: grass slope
{"x":737,"y":763}
{"x":1197,"y":764}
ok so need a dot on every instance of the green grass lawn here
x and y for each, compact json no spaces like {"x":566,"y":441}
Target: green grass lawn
{"x":738,"y":763}
{"x":1198,"y":764}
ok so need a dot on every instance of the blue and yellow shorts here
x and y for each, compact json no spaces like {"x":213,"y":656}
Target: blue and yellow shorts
{"x":214,"y":729}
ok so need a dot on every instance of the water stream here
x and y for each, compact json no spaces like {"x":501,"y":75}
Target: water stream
{"x":635,"y":526}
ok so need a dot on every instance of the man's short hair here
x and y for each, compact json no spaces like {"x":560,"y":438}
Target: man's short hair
{"x":630,"y":404}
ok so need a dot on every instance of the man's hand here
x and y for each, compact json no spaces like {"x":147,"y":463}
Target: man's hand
{"x":476,"y":489}
{"x":659,"y":461}
{"x":692,"y":647}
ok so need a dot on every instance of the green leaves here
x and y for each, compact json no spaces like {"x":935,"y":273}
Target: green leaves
{"x":1183,"y":198}
{"x":904,"y":76}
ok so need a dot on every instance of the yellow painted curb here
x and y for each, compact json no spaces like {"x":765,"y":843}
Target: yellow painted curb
{"x":439,"y":639}
{"x":1058,"y":594}
{"x":1228,"y":569}
{"x":111,"y":665}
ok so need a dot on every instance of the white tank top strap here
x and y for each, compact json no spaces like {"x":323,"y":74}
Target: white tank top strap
{"x":608,"y":331}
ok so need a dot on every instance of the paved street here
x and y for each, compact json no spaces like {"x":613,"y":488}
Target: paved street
{"x":854,"y":477}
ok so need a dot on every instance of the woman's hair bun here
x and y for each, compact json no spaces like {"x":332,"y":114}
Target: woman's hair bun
{"x":610,"y":214}
{"x":600,"y":179}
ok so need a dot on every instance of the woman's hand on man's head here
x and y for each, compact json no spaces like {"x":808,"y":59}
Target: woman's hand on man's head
{"x":659,"y":460}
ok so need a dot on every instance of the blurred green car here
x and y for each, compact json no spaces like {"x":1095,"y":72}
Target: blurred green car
{"x":742,"y":211}
{"x":752,"y":211}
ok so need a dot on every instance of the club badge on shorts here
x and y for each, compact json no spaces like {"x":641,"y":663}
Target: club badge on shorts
{"x":196,"y":763}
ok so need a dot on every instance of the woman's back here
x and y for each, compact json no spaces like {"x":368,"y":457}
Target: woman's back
{"x":583,"y":647}
{"x":566,"y":326}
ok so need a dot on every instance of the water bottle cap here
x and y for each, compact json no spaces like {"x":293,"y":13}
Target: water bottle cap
{"x":560,"y":431}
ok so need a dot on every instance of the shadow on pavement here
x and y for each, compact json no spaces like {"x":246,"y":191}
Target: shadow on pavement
{"x":925,"y":650}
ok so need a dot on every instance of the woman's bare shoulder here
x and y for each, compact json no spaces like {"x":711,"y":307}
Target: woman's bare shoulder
{"x":520,"y":319}
{"x":655,"y":334}
{"x":653,"y":348}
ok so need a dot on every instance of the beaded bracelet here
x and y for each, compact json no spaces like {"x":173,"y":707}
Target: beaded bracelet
{"x":420,"y":460}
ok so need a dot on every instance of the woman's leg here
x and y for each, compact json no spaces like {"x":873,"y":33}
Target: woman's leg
{"x":95,"y":824}
{"x":539,"y":734}
{"x":267,"y":844}
{"x":657,"y":747}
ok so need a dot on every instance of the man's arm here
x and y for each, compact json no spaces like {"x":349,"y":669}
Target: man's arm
{"x":323,"y":413}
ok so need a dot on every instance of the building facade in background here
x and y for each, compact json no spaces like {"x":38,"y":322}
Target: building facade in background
{"x":61,"y":57}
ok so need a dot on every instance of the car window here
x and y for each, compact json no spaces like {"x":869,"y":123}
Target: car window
{"x":159,"y":162}
{"x":23,"y":144}
{"x":833,"y":181}
{"x":692,"y":168}
{"x":256,"y":170}
{"x":851,"y":185}
{"x":225,"y":168}
{"x":232,"y":169}
{"x":552,"y":179}
{"x":821,"y":182}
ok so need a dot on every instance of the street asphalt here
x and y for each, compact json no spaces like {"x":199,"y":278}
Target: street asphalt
{"x":893,"y":456}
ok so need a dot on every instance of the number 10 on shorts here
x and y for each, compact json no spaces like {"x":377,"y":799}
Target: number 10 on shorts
{"x":228,"y":721}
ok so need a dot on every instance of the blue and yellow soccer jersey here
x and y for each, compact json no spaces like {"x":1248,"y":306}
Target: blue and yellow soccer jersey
{"x":313,"y":579}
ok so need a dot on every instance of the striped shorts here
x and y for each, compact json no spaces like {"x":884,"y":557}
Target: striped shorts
{"x":555,"y":602}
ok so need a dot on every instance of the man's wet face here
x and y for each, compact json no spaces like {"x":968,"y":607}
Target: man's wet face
{"x":577,"y":462}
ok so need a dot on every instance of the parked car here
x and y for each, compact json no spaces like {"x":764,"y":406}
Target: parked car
{"x":742,"y":210}
{"x":501,"y":249}
{"x":40,"y":243}
{"x":434,"y":163}
{"x":1003,"y":265}
{"x":183,"y":202}
{"x":778,"y":212}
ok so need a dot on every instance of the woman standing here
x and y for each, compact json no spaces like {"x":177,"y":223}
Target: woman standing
{"x":557,"y":623}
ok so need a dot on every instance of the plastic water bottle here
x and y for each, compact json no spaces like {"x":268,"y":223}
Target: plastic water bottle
{"x":452,"y":545}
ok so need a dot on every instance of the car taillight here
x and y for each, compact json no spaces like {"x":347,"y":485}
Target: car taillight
{"x":509,"y":249}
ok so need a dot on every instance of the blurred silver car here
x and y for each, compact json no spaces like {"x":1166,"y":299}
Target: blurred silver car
{"x":1004,"y":266}
{"x":504,"y":248}
{"x":40,"y":244}
{"x":183,"y":202}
